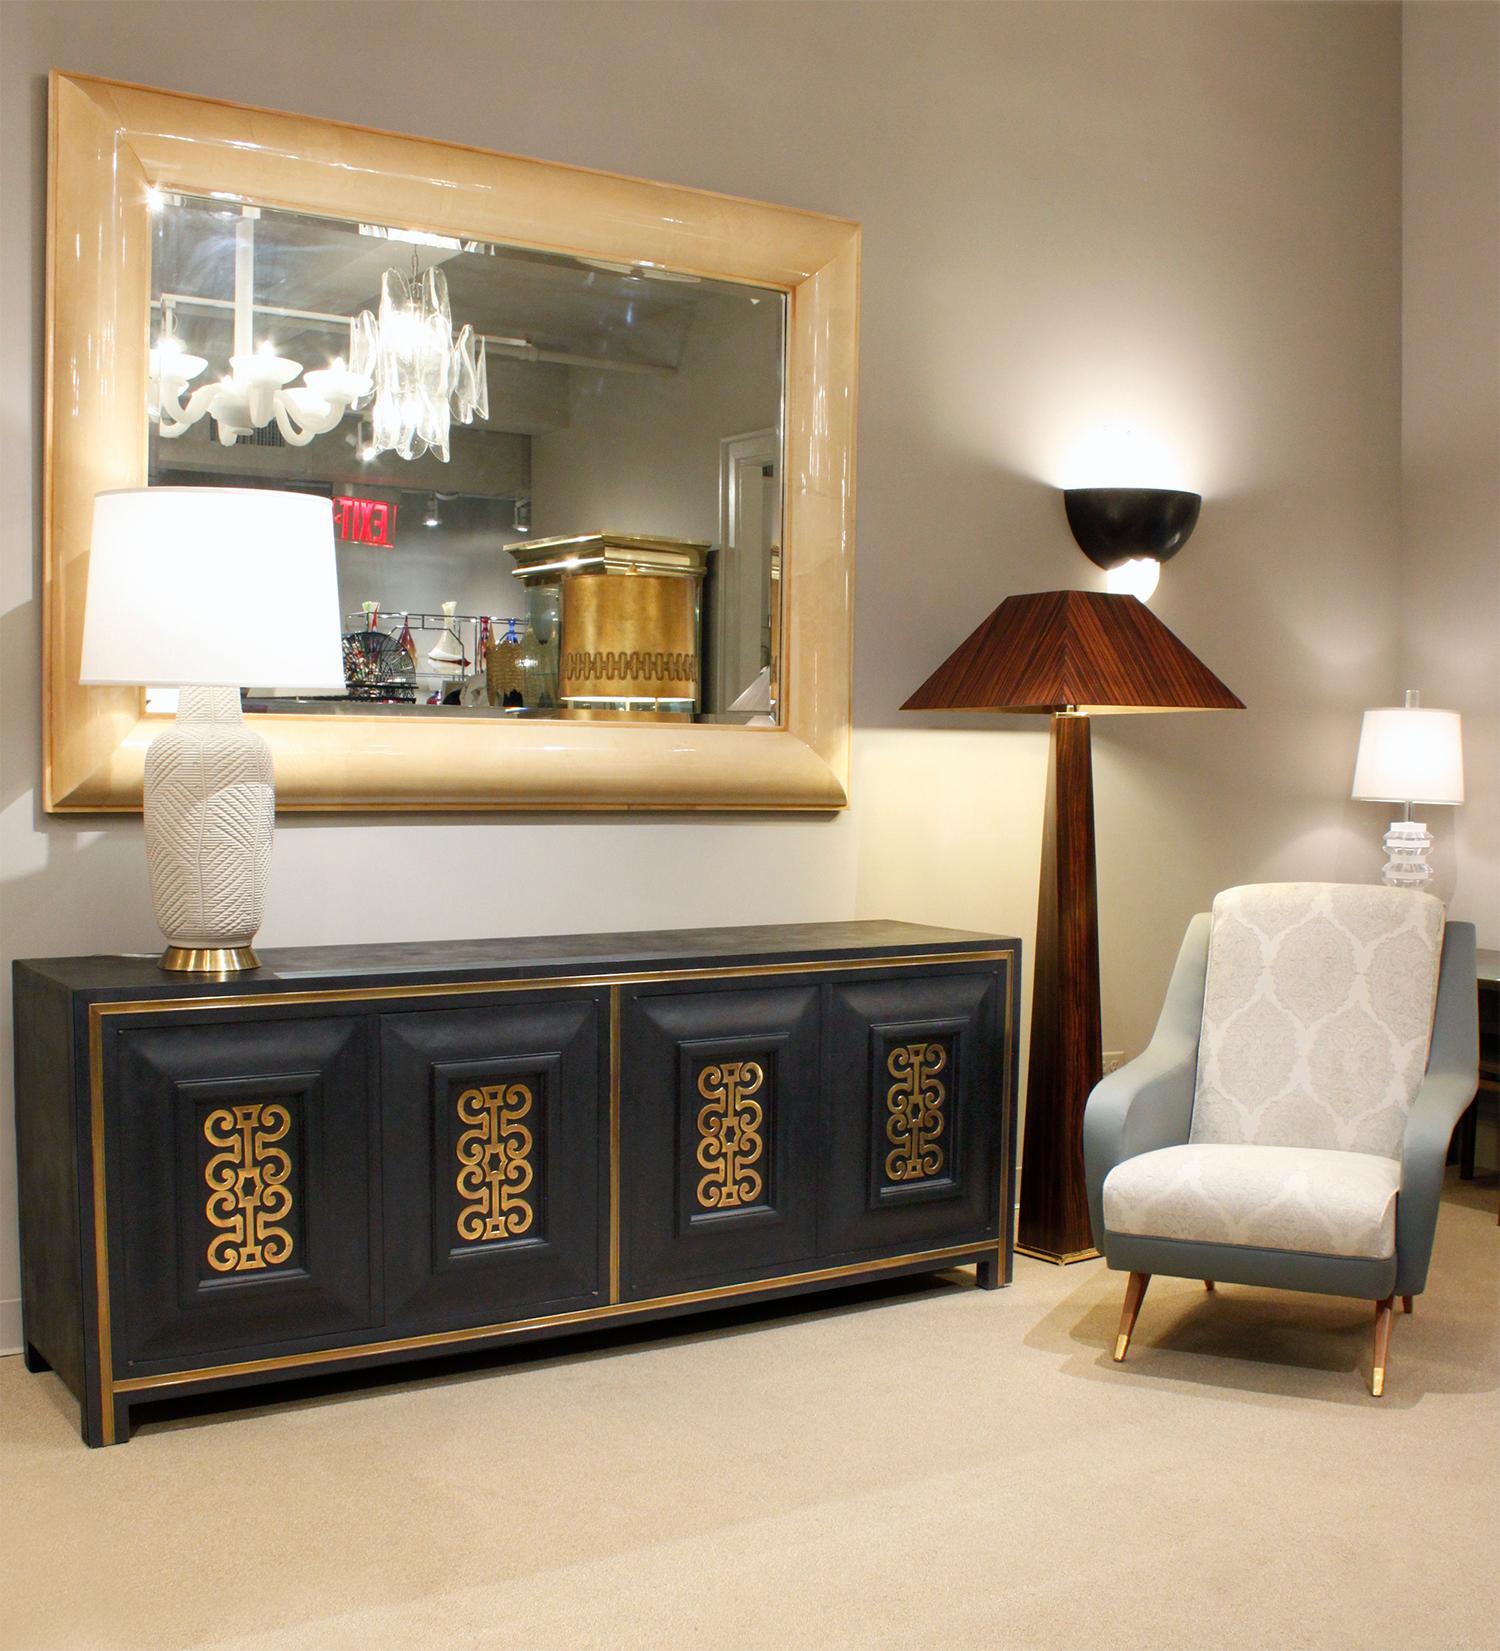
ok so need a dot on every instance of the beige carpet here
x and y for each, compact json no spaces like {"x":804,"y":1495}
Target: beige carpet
{"x":921,"y":1466}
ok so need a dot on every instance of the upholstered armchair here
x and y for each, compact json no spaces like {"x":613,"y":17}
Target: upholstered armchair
{"x":1288,"y":1123}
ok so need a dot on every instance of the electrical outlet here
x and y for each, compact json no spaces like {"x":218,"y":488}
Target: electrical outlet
{"x":1114,"y":1059}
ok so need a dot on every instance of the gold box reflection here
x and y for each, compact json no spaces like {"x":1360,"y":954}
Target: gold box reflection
{"x":629,"y":637}
{"x":631,"y":615}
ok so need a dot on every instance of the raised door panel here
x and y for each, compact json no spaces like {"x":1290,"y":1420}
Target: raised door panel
{"x":718,"y":1135}
{"x":492,"y":1119}
{"x":239,"y":1198}
{"x":912,"y":1128}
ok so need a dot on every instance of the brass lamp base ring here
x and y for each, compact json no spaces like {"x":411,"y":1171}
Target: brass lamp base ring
{"x":1058,"y":1258}
{"x":209,"y":960}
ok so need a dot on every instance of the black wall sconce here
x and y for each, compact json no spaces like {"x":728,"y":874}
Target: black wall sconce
{"x":1131,"y":531}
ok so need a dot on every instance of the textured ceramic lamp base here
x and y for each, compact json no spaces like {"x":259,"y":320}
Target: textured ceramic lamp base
{"x":210,"y":811}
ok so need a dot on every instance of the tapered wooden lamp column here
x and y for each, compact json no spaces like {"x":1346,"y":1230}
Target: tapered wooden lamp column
{"x":1070,"y":654}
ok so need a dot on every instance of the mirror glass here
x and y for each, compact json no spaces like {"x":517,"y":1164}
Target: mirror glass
{"x":556,"y":482}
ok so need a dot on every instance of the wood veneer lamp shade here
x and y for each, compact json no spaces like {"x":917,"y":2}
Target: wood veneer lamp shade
{"x":1069,"y":655}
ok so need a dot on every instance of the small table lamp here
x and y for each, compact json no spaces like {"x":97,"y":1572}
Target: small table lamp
{"x":208,"y":589}
{"x":1408,"y":755}
{"x":1069,"y":654}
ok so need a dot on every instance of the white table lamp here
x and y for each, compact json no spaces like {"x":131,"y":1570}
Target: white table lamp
{"x":1409,"y":755}
{"x":208,"y":589}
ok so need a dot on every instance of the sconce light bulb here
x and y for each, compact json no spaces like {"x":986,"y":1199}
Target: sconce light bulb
{"x":1137,"y":577}
{"x":369,"y":452}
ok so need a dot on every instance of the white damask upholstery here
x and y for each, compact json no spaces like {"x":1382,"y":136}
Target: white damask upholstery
{"x":1309,"y":1199}
{"x":1316,"y":1017}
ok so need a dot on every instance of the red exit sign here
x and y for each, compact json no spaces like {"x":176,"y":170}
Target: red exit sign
{"x":364,"y":521}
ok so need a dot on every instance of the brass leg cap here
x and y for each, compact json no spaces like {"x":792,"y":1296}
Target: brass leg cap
{"x":1121,"y":1343}
{"x":1377,"y":1381}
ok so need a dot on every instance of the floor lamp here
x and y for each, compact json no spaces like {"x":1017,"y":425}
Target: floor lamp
{"x":1068,"y":654}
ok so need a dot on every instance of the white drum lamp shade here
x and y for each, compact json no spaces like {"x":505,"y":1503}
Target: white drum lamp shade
{"x":212,"y":587}
{"x":1409,"y":755}
{"x":207,"y":589}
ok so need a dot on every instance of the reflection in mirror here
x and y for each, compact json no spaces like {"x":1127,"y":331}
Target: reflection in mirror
{"x":556,"y":482}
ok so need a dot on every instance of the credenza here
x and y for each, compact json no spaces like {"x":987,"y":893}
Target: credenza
{"x":354,"y":1156}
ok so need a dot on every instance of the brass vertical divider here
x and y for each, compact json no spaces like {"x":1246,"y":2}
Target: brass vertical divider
{"x":614,"y":1144}
{"x":101,"y":1228}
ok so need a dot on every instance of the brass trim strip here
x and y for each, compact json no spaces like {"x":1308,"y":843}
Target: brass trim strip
{"x":614,"y":1143}
{"x":101,"y":1229}
{"x":1006,"y":1212}
{"x":581,"y":1315}
{"x":540,"y":983}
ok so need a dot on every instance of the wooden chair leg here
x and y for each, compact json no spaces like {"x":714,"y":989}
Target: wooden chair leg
{"x":1382,"y":1343}
{"x":1208,"y":1284}
{"x":1406,"y":1304}
{"x":1135,"y":1290}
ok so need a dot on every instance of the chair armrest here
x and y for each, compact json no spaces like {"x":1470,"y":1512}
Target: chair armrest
{"x":1443,"y":1098}
{"x":1148,"y":1103}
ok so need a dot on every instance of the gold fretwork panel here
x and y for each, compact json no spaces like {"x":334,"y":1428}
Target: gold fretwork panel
{"x":495,"y":1162}
{"x":248,"y":1192}
{"x":916,"y":1111}
{"x":730,"y":1142}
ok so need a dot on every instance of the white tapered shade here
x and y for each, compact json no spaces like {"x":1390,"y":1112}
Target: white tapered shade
{"x":212,"y":586}
{"x":1409,"y":754}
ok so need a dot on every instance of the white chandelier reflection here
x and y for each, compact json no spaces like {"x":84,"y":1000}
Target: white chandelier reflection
{"x":405,"y":365}
{"x":258,"y":390}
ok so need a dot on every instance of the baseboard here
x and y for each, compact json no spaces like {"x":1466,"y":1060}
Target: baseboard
{"x":10,"y":1326}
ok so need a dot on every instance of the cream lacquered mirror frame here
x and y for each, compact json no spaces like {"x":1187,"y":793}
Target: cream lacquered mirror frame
{"x":110,"y":143}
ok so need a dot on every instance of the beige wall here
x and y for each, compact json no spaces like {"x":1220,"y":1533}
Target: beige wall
{"x":1179,"y":217}
{"x":1450,"y":421}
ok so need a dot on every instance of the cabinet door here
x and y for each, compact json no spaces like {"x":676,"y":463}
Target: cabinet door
{"x":718,"y":1135}
{"x":912,"y":1126}
{"x":492,"y":1122}
{"x":239,"y":1189}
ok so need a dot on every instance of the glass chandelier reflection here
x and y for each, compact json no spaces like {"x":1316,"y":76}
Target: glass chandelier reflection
{"x":404,"y":365}
{"x":423,"y":378}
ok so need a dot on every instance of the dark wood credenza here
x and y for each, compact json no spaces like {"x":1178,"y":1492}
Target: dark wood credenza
{"x":354,"y":1156}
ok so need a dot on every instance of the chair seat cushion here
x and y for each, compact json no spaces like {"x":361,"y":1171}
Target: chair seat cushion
{"x":1309,"y":1199}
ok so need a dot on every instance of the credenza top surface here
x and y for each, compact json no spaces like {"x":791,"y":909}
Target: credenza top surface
{"x":309,"y":968}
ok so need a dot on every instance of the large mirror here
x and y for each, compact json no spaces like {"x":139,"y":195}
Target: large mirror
{"x":555,"y":480}
{"x":587,"y":443}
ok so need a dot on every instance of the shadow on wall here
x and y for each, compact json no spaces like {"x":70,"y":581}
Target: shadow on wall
{"x":917,"y":597}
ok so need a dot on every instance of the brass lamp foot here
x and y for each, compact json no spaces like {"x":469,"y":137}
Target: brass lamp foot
{"x":208,"y":960}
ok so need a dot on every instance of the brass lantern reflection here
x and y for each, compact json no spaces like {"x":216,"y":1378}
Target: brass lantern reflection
{"x":631,"y":612}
